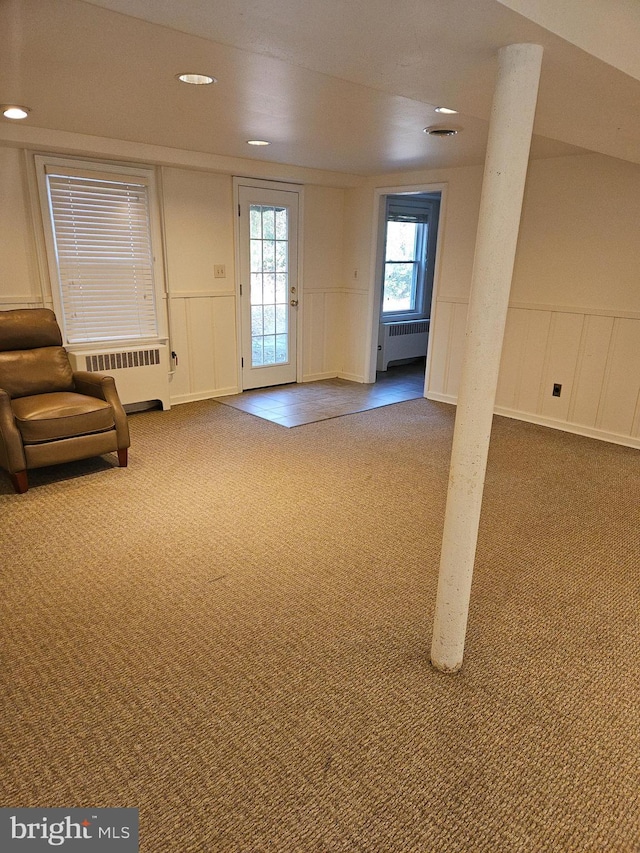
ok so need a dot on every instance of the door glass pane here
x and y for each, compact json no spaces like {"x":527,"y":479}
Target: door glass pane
{"x":269,"y":319}
{"x":268,"y":223}
{"x":269,"y":246}
{"x":257,"y":325}
{"x":269,"y":289}
{"x":256,"y":349}
{"x":255,"y":223}
{"x":256,"y":255}
{"x":282,"y":248}
{"x":281,"y":319}
{"x":281,"y":349}
{"x":268,"y":255}
{"x":256,"y":288}
{"x":282,"y":225}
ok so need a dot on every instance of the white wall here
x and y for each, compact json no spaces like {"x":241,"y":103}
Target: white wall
{"x":19,"y":283}
{"x":574,"y":315}
{"x":575,"y":302}
{"x":359,"y":263}
{"x":323,"y":293}
{"x":197,"y":214}
{"x":198,"y":234}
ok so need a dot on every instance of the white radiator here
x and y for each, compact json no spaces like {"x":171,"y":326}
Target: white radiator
{"x":397,"y":341}
{"x":141,"y":374}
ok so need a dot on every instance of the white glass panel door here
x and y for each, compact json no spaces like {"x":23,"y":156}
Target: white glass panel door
{"x":269,"y":294}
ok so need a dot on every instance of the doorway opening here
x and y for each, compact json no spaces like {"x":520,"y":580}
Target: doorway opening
{"x":406,"y":254}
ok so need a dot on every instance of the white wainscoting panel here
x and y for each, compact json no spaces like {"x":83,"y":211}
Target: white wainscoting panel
{"x":446,"y":347}
{"x":594,"y":355}
{"x":354,"y":329}
{"x":591,"y":369}
{"x":203,"y":329}
{"x":620,"y":399}
{"x":561,"y":359}
{"x":531,"y":359}
{"x":320,"y":335}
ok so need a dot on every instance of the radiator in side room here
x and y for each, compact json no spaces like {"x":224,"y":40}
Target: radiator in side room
{"x":397,"y":341}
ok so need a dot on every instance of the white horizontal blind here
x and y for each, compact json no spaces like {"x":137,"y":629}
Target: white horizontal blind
{"x":102,"y":238}
{"x":408,"y":209}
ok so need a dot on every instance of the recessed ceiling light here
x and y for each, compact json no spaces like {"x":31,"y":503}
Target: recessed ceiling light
{"x":446,"y":111}
{"x":441,"y":131}
{"x":257,"y":142}
{"x":196,"y":79}
{"x":14,"y":111}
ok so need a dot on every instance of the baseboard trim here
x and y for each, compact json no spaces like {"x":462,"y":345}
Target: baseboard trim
{"x":576,"y":429}
{"x":563,"y":426}
{"x":352,"y":377}
{"x":208,"y":395}
{"x":441,"y":398}
{"x":318,"y":377}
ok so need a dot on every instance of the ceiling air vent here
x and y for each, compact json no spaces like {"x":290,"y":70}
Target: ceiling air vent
{"x":439,"y":130}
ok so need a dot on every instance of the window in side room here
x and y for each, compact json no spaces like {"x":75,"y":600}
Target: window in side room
{"x":410,"y":240}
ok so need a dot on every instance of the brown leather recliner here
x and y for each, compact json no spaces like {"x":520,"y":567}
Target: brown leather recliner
{"x":48,"y":413}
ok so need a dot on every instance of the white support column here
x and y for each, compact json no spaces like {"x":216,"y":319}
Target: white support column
{"x":510,"y":130}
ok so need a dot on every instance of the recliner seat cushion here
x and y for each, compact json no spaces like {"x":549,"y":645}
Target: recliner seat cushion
{"x":47,"y":417}
{"x":35,"y":371}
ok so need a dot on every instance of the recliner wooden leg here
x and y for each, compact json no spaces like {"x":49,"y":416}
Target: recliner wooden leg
{"x":20,"y":481}
{"x":123,"y":457}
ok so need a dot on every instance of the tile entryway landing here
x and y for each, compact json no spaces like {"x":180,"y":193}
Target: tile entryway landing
{"x":295,"y":405}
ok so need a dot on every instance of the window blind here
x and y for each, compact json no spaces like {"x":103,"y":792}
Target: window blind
{"x":407,"y":210}
{"x":102,"y":238}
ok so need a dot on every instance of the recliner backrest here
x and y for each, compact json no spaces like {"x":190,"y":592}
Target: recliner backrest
{"x":35,"y":371}
{"x":32,"y":360}
{"x":28,"y":328}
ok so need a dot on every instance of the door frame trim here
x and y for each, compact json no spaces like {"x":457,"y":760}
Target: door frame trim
{"x":276,"y":186}
{"x":377,"y":254}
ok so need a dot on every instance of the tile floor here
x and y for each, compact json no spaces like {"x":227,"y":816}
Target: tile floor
{"x":294,"y":405}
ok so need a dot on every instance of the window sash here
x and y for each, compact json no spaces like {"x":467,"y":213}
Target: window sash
{"x":102,"y":241}
{"x":415,"y":260}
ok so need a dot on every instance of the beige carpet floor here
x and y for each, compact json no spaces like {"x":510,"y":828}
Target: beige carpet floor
{"x":233,"y":634}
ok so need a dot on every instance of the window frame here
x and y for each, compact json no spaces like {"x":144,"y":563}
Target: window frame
{"x":424,"y":253}
{"x":92,"y":170}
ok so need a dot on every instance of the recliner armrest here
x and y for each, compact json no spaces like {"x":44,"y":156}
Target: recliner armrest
{"x":103,"y":387}
{"x":94,"y":384}
{"x":12,"y":457}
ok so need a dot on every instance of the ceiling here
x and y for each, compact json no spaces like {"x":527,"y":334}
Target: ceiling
{"x":340,"y":85}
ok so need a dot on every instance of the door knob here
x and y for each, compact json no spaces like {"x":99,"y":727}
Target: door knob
{"x":294,"y":302}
